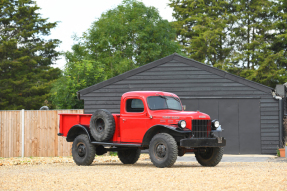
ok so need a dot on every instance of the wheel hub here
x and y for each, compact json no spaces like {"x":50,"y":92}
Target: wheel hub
{"x":100,"y":125}
{"x":161,"y":150}
{"x":206,"y":153}
{"x":81,"y":150}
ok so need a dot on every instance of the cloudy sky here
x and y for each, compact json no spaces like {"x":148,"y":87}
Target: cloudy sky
{"x":75,"y":17}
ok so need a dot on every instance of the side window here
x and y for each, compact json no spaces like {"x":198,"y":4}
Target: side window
{"x":134,"y":105}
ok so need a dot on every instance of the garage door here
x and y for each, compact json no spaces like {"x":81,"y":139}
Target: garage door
{"x":240,"y":119}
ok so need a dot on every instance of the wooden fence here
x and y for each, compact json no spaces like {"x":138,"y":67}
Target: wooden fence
{"x":40,"y":133}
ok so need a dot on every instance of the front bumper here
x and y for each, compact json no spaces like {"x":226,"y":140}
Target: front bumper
{"x":203,"y":142}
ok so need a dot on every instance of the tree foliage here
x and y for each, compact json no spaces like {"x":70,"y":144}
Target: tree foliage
{"x":25,"y":57}
{"x":129,"y":36}
{"x":201,"y":29}
{"x":122,"y":39}
{"x":78,"y":74}
{"x":244,"y":37}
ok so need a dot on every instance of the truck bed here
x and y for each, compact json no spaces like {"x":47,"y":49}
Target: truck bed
{"x":68,"y":120}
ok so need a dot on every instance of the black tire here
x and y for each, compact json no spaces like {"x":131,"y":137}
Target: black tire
{"x":83,"y":151}
{"x":102,"y":125}
{"x":163,"y":150}
{"x":209,"y":156}
{"x":129,"y":156}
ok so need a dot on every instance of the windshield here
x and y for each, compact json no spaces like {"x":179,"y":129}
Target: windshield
{"x":163,"y":102}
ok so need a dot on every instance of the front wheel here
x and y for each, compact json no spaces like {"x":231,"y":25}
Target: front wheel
{"x":83,"y":151}
{"x":163,"y":150}
{"x":209,"y":156}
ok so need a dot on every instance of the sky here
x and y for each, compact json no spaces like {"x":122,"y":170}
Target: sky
{"x":75,"y":17}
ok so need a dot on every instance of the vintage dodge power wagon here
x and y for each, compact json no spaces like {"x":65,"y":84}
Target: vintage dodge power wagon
{"x":151,"y":120}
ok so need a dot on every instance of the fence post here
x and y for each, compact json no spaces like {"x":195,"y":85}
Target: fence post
{"x":23,"y":142}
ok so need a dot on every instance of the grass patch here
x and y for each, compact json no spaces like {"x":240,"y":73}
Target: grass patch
{"x":113,"y":153}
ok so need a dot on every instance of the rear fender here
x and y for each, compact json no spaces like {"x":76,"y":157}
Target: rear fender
{"x":77,"y":130}
{"x":175,"y":132}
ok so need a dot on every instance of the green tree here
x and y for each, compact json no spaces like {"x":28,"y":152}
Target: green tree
{"x":203,"y":28}
{"x":129,"y":36}
{"x":244,"y":37}
{"x":25,"y":57}
{"x":253,"y":23}
{"x":255,"y":34}
{"x":122,"y":39}
{"x":78,"y":74}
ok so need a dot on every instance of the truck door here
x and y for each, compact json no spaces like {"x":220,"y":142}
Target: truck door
{"x":133,"y":120}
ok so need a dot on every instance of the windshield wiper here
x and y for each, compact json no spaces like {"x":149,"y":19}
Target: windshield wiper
{"x":161,"y":96}
{"x":177,"y":99}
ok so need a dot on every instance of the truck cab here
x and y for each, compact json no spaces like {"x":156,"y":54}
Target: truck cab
{"x":153,"y":120}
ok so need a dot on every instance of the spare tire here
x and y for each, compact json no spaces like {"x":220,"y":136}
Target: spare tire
{"x":102,"y":125}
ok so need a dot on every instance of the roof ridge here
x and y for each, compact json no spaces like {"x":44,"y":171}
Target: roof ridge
{"x":184,"y":60}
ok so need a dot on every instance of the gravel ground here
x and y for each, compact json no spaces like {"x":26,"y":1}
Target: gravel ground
{"x":107,"y":173}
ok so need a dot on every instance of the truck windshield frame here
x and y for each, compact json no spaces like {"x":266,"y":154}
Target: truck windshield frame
{"x":161,"y":102}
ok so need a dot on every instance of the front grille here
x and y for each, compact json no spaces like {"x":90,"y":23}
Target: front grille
{"x":201,"y":128}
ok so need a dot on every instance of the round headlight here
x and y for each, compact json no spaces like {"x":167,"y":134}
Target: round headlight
{"x":182,"y":124}
{"x":215,"y":123}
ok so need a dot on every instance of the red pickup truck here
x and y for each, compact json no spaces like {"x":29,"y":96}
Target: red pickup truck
{"x":151,"y":120}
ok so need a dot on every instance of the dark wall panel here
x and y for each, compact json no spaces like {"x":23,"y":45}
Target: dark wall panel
{"x":249,"y":126}
{"x":228,"y":117}
{"x":210,"y":107}
{"x":269,"y":125}
{"x":191,"y":104}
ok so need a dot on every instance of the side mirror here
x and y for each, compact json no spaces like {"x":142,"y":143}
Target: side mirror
{"x":184,"y":107}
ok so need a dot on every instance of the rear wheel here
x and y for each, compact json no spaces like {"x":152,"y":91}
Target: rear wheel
{"x":209,"y":156}
{"x":83,"y":151}
{"x":129,"y":156}
{"x":163,"y":150}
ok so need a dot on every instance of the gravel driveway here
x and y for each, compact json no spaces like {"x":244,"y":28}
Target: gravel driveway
{"x":107,"y":173}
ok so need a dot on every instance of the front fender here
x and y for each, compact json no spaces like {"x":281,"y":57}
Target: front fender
{"x":77,"y":130}
{"x":163,"y":129}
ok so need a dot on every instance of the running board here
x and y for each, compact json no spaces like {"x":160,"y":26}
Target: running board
{"x":117,"y":144}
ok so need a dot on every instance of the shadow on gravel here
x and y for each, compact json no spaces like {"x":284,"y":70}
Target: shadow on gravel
{"x":144,"y":165}
{"x":123,"y":165}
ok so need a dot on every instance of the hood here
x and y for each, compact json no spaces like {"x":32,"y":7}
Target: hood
{"x":172,"y":117}
{"x":181,"y":115}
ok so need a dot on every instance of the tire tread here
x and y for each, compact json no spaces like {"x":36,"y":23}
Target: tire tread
{"x":174,"y":150}
{"x":214,"y":159}
{"x":90,"y":147}
{"x":109,"y":129}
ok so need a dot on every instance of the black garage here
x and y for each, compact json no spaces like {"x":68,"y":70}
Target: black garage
{"x":246,"y":110}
